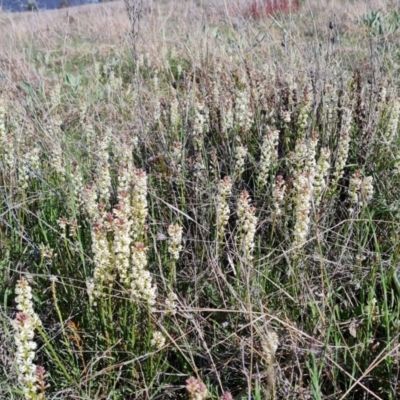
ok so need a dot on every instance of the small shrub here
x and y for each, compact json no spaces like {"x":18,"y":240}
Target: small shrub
{"x":262,"y":9}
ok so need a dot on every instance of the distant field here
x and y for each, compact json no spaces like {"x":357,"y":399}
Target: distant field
{"x":200,"y":201}
{"x":43,"y":5}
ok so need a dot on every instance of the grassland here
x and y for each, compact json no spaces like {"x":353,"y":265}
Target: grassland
{"x":208,"y":208}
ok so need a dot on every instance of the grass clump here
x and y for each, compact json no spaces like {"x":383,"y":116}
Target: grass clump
{"x":214,"y":216}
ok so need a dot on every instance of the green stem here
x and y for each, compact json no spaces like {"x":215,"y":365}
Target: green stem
{"x":55,"y":355}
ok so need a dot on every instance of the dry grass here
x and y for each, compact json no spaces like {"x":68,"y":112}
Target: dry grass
{"x":333,"y":301}
{"x":102,"y":29}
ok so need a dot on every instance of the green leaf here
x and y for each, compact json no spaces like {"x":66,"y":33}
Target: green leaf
{"x":27,"y":88}
{"x":72,"y":80}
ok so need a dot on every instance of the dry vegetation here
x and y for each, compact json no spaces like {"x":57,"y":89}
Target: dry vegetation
{"x":212,"y":212}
